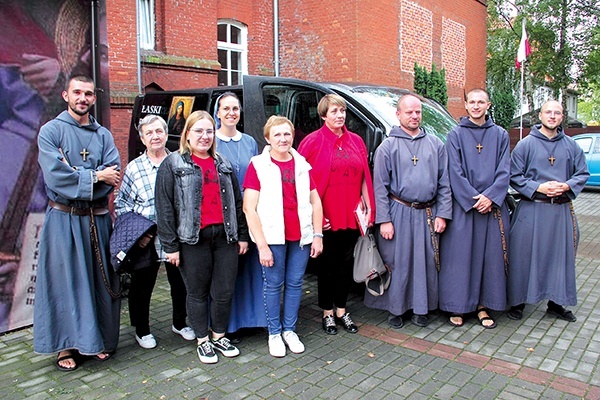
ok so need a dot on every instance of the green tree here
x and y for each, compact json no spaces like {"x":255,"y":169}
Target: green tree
{"x":503,"y":107}
{"x":421,"y":82}
{"x":431,"y":84}
{"x":564,"y":37}
{"x":588,"y":108}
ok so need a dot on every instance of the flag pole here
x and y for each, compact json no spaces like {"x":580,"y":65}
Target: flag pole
{"x":521,"y":101}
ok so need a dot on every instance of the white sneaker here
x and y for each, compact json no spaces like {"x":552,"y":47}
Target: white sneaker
{"x":147,"y":342}
{"x":276,"y":346}
{"x":186,"y":332}
{"x":293,"y":342}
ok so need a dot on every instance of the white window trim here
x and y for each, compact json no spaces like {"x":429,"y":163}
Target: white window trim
{"x":147,"y":24}
{"x":241,"y":48}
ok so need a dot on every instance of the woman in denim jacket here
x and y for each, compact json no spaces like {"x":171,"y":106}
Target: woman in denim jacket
{"x":202,"y":229}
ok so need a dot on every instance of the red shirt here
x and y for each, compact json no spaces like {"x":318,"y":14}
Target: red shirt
{"x":291,"y":220}
{"x":211,"y":209}
{"x":339,"y":164}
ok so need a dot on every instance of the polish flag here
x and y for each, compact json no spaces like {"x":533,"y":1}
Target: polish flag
{"x":524,"y":48}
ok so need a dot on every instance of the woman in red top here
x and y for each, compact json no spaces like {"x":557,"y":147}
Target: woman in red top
{"x":202,"y":229}
{"x":343,"y":178}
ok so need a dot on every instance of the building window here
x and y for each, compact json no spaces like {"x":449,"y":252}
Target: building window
{"x":146,"y":23}
{"x":232,"y":49}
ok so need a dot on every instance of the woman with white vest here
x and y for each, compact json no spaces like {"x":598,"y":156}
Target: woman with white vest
{"x":285,"y":218}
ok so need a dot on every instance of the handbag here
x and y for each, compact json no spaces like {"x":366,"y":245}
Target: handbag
{"x":369,"y":266}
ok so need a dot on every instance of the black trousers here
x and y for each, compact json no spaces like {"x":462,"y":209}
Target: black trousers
{"x":335,"y":267}
{"x":140,"y":293}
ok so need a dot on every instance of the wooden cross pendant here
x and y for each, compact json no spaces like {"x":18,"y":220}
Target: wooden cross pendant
{"x":414,"y":159}
{"x":551,"y":159}
{"x":479,"y":147}
{"x":84,"y":153}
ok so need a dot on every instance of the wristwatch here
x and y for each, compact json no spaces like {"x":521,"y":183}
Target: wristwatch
{"x":94,"y":177}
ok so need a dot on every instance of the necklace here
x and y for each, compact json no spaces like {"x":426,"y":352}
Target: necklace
{"x":479,"y":146}
{"x":551,"y":153}
{"x":84,"y":152}
{"x":414,"y":158}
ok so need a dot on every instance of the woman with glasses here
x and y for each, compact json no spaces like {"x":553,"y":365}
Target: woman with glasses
{"x":202,"y":229}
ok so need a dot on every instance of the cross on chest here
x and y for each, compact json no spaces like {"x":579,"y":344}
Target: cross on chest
{"x":84,"y":153}
{"x":551,"y":159}
{"x":479,"y":147}
{"x":414,"y":159}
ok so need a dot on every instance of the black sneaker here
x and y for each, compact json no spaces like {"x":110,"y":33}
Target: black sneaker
{"x":329,"y":325}
{"x":225,"y":347}
{"x":206,"y":353}
{"x":347,"y":323}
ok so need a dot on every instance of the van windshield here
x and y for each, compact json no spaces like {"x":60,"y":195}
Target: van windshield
{"x":383,"y":100}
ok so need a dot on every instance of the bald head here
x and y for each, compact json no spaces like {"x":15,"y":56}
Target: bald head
{"x":551,"y":116}
{"x":409,"y":113}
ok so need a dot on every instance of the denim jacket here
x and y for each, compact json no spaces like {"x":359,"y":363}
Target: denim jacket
{"x":179,"y":198}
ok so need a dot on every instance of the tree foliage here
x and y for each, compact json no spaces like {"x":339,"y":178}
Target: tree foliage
{"x":565,"y":44}
{"x":503,"y":107}
{"x":431,"y":84}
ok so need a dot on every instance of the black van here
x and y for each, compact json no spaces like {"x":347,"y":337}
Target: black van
{"x":371,"y":110}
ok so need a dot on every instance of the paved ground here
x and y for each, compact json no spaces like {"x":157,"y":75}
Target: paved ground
{"x":538,"y":357}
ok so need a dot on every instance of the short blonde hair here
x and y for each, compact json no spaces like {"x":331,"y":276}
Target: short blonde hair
{"x":276,"y":120}
{"x":184,"y":145}
{"x":327,"y":101}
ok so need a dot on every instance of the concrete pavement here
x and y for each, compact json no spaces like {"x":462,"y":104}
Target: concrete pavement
{"x":538,"y":357}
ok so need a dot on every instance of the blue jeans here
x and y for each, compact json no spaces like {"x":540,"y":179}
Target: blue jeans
{"x":287,"y":272}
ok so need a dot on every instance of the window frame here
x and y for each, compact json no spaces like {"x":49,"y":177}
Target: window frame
{"x":241,"y":48}
{"x":147,"y":24}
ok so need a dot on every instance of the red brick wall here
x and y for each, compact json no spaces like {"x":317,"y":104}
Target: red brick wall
{"x":379,"y":42}
{"x":361,"y":41}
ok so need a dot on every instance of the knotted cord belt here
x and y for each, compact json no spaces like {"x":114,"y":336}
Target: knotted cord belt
{"x":498,"y":216}
{"x":435,"y":239}
{"x":96,"y":246}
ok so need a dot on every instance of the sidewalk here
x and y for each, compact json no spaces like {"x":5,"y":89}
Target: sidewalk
{"x":537,"y":357}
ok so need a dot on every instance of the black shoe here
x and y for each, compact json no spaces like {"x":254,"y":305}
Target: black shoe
{"x":347,"y":323}
{"x":329,"y":325}
{"x":515,"y":313}
{"x":420,"y":320}
{"x":395,"y":321}
{"x":561,"y":312}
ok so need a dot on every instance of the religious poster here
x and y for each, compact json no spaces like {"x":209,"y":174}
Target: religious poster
{"x":43,"y":42}
{"x":181,"y":107}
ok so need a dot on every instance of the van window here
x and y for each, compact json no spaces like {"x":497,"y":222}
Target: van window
{"x":299,"y":104}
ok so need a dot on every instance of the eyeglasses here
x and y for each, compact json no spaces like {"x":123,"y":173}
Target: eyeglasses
{"x":555,"y":113}
{"x":201,"y":132}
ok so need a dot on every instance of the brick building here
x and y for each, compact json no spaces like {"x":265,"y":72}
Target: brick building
{"x":196,"y":43}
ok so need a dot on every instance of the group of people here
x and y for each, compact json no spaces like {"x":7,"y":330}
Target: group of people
{"x":444,"y":224}
{"x":235,"y":228}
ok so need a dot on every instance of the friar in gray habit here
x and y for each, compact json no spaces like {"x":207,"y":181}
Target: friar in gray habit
{"x":413,"y":201}
{"x":548,"y":169}
{"x":474,"y":248}
{"x":76,"y":308}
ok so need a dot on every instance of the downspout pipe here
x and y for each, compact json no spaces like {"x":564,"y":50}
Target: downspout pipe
{"x":138,"y":58}
{"x":276,"y":36}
